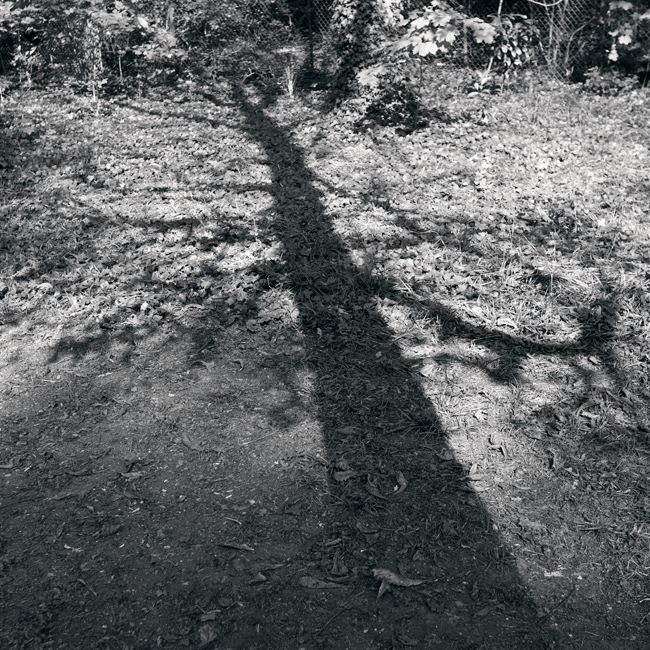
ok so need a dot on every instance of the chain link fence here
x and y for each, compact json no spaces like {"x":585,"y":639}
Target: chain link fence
{"x":567,"y":28}
{"x":294,"y":33}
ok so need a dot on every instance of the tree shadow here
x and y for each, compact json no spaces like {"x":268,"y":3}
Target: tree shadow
{"x":377,"y":420}
{"x":597,"y":321}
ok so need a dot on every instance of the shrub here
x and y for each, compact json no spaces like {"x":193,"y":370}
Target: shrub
{"x":79,"y":38}
{"x":609,"y":82}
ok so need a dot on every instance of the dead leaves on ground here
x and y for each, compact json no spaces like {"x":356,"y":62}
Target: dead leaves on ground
{"x":389,"y":578}
{"x":519,"y":234}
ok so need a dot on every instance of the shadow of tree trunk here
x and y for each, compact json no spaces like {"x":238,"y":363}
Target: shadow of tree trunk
{"x":377,"y":422}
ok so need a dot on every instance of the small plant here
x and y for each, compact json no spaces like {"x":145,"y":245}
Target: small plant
{"x":288,"y":60}
{"x":398,"y":106}
{"x":290,"y":79}
{"x":26,"y":61}
{"x":513,"y":45}
{"x":609,"y":82}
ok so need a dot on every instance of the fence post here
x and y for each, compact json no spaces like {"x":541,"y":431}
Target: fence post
{"x":311,"y":36}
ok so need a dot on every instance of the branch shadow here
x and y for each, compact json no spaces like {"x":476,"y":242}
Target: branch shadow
{"x":597,"y":321}
{"x":377,"y":421}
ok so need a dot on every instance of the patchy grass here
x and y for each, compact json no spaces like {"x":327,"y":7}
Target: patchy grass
{"x":252,"y":352}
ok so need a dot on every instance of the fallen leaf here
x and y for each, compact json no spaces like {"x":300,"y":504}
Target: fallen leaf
{"x":74,"y":549}
{"x":351,"y":577}
{"x":74,"y":493}
{"x":209,"y":616}
{"x":383,"y":588}
{"x":131,"y":476}
{"x":386,"y":575}
{"x":338,"y":566}
{"x":402,"y":483}
{"x":258,"y":577}
{"x":534,"y":526}
{"x":314,"y":583}
{"x":108,"y":530}
{"x":495,"y":439}
{"x":447,"y":454}
{"x":372,"y":489}
{"x":405,"y":640}
{"x":477,"y":477}
{"x":207,"y":634}
{"x":132,"y":495}
{"x":241,"y":547}
{"x":554,"y":462}
{"x":190,"y":442}
{"x":366,"y":529}
{"x":449,"y":527}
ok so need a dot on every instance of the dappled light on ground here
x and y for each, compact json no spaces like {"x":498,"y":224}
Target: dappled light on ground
{"x":254,"y":360}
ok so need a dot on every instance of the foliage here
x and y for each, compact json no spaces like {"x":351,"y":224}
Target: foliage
{"x":435,"y":28}
{"x":78,"y":38}
{"x":508,"y":40}
{"x":608,"y":82}
{"x":206,"y":24}
{"x":629,"y":30}
{"x":395,"y":105}
{"x":514,"y":42}
{"x":628,"y":47}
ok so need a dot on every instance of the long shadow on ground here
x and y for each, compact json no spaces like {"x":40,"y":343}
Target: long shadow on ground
{"x":380,"y":431}
{"x":377,"y":422}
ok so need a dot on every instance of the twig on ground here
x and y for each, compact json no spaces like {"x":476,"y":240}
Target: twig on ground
{"x":562,"y":602}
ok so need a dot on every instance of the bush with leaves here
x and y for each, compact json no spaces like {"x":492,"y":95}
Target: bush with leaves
{"x":514,"y":43}
{"x":252,"y":39}
{"x":228,"y":23}
{"x":392,"y":84}
{"x":609,"y":82}
{"x":78,"y":38}
{"x":628,"y":26}
{"x":508,"y":41}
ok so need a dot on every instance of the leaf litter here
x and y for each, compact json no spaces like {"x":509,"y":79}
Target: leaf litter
{"x":506,"y":261}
